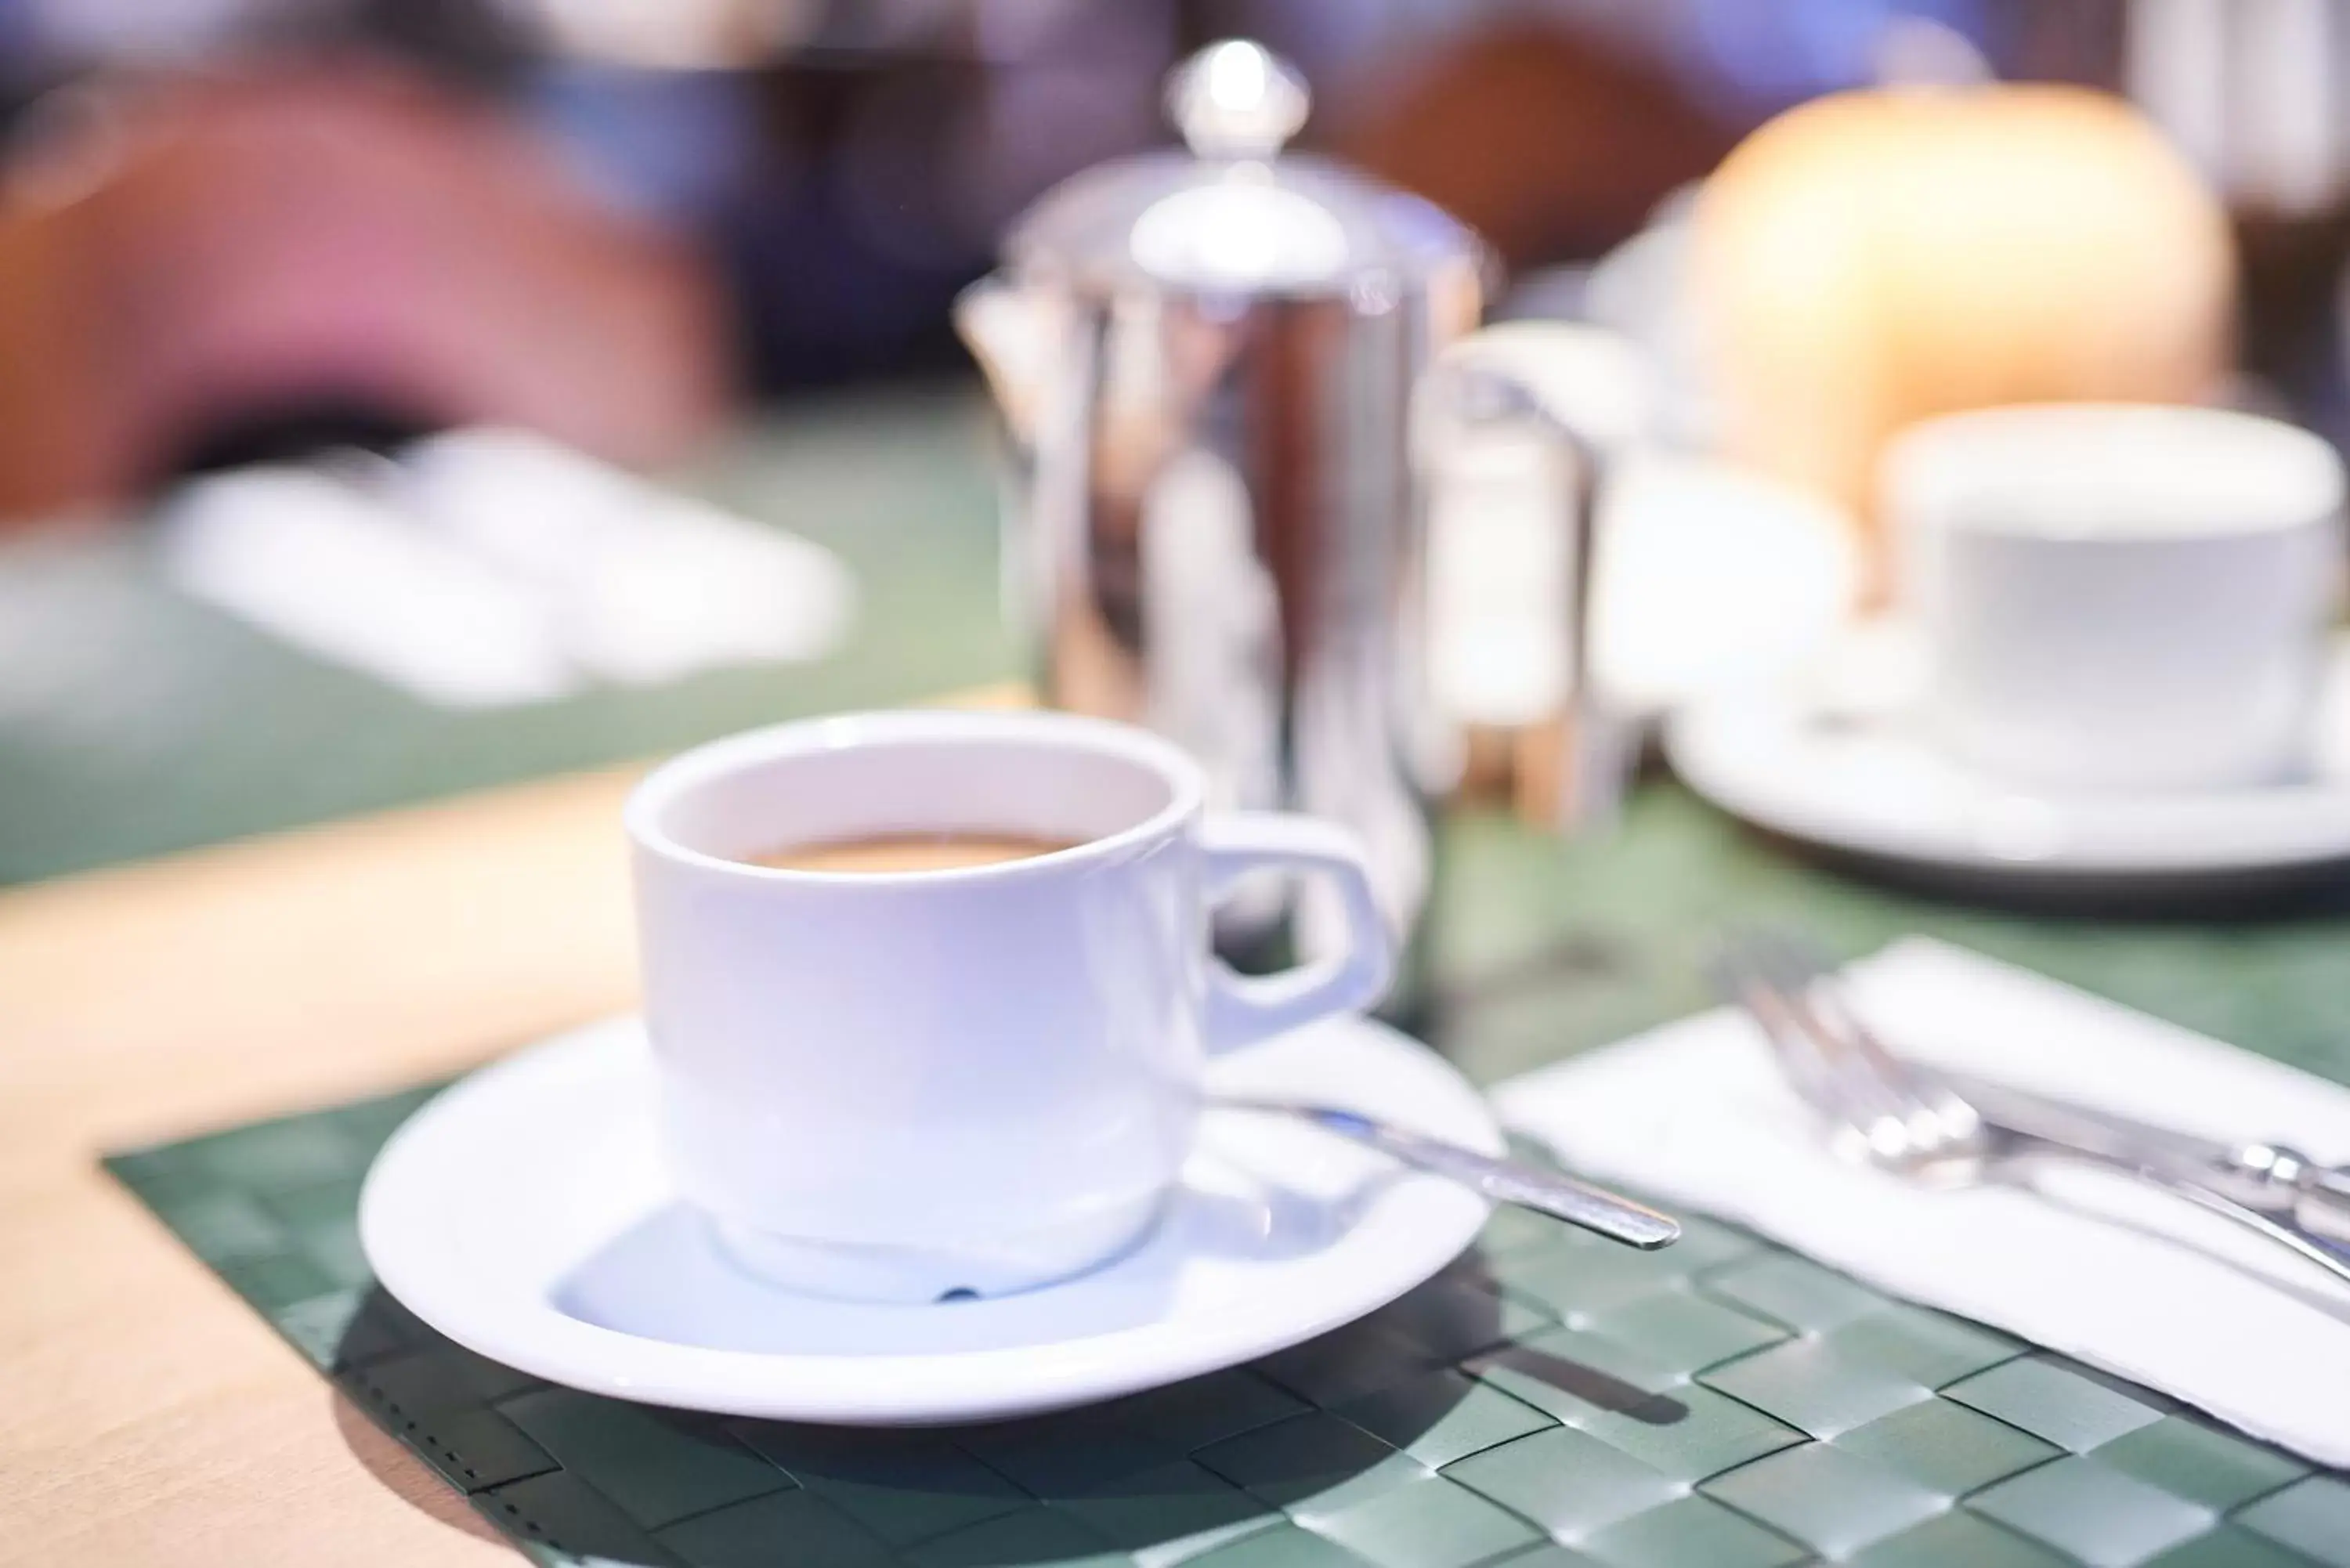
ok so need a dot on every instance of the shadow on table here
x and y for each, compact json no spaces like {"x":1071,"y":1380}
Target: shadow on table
{"x":384,"y":1458}
{"x":1166,"y":1473}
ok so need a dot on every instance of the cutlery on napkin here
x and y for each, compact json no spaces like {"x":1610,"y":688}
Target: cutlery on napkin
{"x":2099,"y":1269}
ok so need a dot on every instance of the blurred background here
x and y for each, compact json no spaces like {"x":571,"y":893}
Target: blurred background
{"x":399,"y":396}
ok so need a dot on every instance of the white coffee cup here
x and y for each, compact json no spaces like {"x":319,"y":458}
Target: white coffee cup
{"x":2118,"y":598}
{"x":907,"y":1084}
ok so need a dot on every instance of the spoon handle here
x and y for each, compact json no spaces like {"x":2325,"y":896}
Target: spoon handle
{"x":1503,"y":1180}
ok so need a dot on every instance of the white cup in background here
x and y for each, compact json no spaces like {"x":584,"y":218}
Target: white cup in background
{"x":2118,"y":598}
{"x":905,"y":1084}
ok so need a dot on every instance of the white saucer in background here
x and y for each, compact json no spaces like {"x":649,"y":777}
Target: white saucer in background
{"x":526,"y":1214}
{"x":1834,"y":758}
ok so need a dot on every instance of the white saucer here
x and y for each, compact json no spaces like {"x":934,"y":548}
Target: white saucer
{"x":525,"y":1214}
{"x":1839,"y":761}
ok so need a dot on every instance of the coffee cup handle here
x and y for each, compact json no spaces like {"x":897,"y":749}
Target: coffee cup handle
{"x":1244,"y":1009}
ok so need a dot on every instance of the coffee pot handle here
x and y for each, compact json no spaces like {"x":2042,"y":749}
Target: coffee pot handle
{"x":1588,"y":395}
{"x":1244,"y":1009}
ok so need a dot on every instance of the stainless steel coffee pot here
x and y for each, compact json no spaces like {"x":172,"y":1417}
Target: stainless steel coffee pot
{"x":1207,"y":364}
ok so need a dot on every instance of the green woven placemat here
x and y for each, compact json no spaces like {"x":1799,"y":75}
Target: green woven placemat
{"x":1550,"y":1400}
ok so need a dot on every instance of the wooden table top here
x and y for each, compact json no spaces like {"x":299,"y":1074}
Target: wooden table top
{"x":150,"y":1416}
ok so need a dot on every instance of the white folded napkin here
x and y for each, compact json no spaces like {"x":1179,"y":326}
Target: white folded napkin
{"x":492,"y":567}
{"x":2098,"y":1268}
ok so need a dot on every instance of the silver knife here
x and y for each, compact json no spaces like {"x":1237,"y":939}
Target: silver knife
{"x":2269,"y":1177}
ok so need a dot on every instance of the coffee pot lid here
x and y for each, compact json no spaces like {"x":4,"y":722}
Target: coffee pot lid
{"x":1235,"y":214}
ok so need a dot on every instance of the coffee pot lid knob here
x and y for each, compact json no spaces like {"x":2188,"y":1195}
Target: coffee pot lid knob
{"x":1237,"y":100}
{"x":1235,"y":214}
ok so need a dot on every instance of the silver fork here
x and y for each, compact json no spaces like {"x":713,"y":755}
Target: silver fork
{"x":1884,"y":1111}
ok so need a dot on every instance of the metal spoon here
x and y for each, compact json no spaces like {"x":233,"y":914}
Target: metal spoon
{"x":1503,"y":1180}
